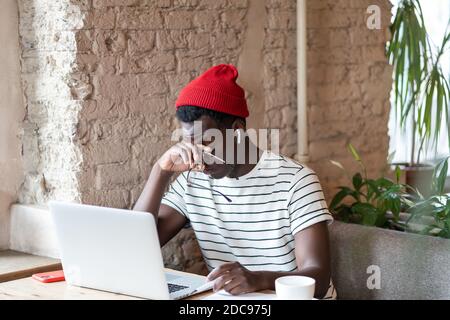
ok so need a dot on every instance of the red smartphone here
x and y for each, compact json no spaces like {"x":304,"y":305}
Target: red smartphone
{"x":51,"y":276}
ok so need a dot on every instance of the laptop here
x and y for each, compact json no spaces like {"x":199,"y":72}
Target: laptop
{"x":118,"y":251}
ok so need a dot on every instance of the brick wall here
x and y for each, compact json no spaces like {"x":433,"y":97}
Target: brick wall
{"x":137,"y":59}
{"x":117,"y":66}
{"x":12,"y":112}
{"x":349,"y":83}
{"x":280,"y":73}
{"x":47,"y":35}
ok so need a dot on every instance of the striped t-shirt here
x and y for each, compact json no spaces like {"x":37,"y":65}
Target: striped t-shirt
{"x":269,"y":205}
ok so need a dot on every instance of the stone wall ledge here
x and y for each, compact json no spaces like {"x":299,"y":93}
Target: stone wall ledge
{"x":32,"y":231}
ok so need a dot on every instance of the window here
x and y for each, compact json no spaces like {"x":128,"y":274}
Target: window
{"x":437,"y":16}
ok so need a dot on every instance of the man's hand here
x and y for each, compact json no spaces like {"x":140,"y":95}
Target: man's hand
{"x":312,"y":257}
{"x":236,"y":279}
{"x":182,"y":157}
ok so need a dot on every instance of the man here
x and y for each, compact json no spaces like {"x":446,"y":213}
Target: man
{"x":254,"y":220}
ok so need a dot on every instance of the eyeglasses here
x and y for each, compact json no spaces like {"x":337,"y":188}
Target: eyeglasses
{"x":190,"y":183}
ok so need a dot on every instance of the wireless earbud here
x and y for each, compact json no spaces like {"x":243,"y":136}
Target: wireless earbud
{"x":238,"y":132}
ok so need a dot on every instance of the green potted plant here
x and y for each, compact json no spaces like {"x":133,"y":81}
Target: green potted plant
{"x":385,"y":203}
{"x":385,"y":234}
{"x":432,"y":214}
{"x":371,"y":202}
{"x":421,"y":90}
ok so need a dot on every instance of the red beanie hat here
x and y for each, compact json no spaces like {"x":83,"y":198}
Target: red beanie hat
{"x":216,"y":89}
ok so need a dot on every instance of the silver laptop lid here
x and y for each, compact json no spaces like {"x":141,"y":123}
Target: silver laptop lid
{"x":110,"y":249}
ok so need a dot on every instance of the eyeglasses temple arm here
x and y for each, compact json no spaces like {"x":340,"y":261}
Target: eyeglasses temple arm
{"x":200,"y":186}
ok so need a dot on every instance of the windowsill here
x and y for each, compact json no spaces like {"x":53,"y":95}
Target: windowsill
{"x":16,"y":265}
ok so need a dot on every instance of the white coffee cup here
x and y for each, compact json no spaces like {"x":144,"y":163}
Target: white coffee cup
{"x":295,"y":288}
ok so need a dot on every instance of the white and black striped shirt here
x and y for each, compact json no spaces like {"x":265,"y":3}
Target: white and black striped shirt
{"x":276,"y":199}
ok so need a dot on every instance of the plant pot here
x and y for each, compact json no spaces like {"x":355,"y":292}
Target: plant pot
{"x":418,"y":176}
{"x":409,"y":266}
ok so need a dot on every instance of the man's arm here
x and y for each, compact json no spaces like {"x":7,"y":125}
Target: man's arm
{"x":179,"y":158}
{"x":313,"y":260}
{"x":169,"y":221}
{"x":150,"y":198}
{"x":312,"y":253}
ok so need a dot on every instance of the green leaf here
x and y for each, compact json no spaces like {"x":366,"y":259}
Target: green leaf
{"x":357,"y":181}
{"x":398,"y":174}
{"x":343,"y":213}
{"x":440,"y":176}
{"x":372,"y":189}
{"x":381,"y":220}
{"x":395,"y":208}
{"x":337,"y":199}
{"x":368,"y":212}
{"x":354,"y":152}
{"x":384,"y":182}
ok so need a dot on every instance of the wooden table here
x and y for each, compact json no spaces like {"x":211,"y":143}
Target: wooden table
{"x":28,"y":288}
{"x":15,"y":265}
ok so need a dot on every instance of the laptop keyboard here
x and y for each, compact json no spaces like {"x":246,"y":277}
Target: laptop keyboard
{"x":176,"y":287}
